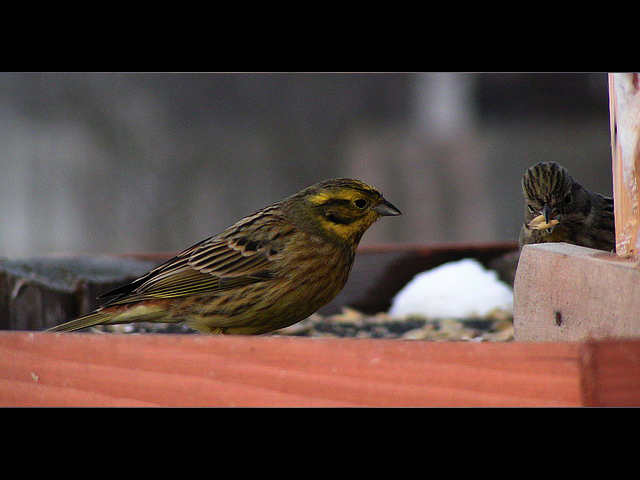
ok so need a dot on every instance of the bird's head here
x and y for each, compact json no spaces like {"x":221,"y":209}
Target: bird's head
{"x":341,"y":208}
{"x":550,"y":195}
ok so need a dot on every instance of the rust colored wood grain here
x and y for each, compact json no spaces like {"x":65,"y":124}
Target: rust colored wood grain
{"x":102,"y":370}
{"x":611,"y":373}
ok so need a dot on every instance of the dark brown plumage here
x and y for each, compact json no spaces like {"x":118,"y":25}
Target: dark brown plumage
{"x":558,"y":209}
{"x":267,"y":271}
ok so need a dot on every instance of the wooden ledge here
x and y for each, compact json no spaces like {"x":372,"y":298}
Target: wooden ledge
{"x":570,"y":293}
{"x":103,"y":370}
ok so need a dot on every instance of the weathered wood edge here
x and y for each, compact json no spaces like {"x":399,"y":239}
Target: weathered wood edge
{"x":566,"y":292}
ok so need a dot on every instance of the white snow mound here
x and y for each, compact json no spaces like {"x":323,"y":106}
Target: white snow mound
{"x":461,"y":289}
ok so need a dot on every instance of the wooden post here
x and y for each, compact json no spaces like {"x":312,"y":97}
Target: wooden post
{"x":624,"y":108}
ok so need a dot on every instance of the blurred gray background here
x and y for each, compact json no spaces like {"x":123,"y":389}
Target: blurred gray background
{"x":147,"y":162}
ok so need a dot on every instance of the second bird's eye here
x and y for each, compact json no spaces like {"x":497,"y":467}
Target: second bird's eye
{"x":530,"y":208}
{"x":360,"y":203}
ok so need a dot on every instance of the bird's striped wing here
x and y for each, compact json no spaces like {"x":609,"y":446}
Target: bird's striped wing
{"x":241,"y":255}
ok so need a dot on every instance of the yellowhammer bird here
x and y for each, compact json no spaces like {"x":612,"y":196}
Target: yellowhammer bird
{"x":558,"y":209}
{"x":267,"y":271}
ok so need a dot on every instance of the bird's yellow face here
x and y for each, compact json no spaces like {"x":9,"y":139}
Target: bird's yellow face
{"x":344,"y":209}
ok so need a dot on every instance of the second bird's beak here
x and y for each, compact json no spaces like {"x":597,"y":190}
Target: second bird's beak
{"x":546,"y":211}
{"x":386,"y":208}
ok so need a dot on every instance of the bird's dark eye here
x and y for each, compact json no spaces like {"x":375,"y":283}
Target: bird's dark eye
{"x":360,"y":203}
{"x":530,"y":208}
{"x":567,"y":199}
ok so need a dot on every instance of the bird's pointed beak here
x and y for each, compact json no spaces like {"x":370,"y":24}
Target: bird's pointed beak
{"x":546,"y":212}
{"x":386,"y":208}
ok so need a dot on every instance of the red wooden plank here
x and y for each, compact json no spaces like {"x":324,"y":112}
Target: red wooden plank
{"x":44,"y":369}
{"x":611,"y":373}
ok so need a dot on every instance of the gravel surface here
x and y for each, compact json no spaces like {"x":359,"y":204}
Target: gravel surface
{"x":497,"y":326}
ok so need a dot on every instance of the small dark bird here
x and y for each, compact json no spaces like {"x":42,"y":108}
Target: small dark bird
{"x":558,"y":209}
{"x":267,"y":271}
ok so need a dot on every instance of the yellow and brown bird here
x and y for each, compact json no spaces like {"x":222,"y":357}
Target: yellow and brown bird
{"x":267,"y":271}
{"x":558,"y":209}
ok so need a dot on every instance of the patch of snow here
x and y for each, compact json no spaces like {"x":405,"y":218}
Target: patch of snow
{"x":461,"y":289}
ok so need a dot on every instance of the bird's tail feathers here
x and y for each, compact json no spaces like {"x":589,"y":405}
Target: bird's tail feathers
{"x":89,"y":320}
